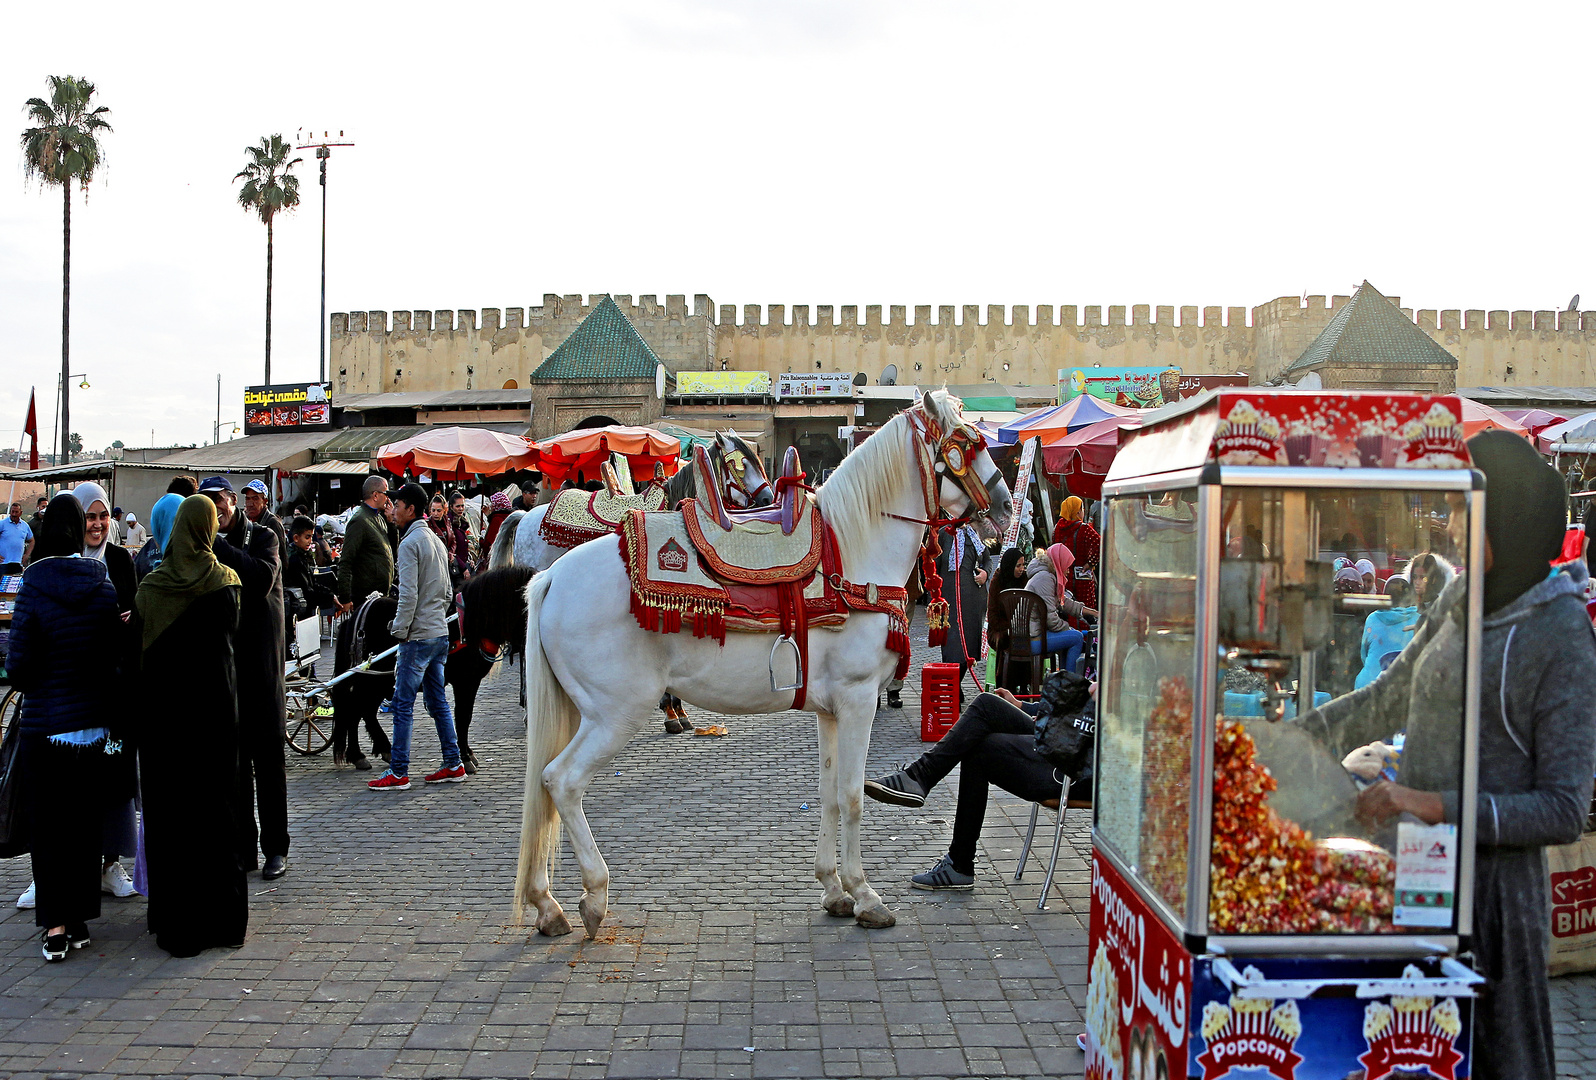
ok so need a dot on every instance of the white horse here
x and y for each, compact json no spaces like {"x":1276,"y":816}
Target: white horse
{"x":593,"y":675}
{"x":520,"y":541}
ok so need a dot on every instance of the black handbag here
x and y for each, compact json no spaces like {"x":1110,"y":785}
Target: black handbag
{"x":1066,"y":730}
{"x":13,"y":831}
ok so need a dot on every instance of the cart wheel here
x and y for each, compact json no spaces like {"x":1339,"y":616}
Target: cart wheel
{"x":309,"y":731}
{"x":10,"y":709}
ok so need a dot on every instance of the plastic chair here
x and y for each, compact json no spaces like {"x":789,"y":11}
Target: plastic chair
{"x":1016,"y":606}
{"x":1028,"y":610}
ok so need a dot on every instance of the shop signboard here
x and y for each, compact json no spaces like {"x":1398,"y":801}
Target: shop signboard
{"x":287,"y":407}
{"x":829,"y":384}
{"x":1192,"y":385}
{"x":1143,"y":387}
{"x":723,"y":383}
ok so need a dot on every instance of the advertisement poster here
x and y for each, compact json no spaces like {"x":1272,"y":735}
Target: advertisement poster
{"x":831,"y":384}
{"x":1138,"y":986}
{"x":1325,"y":1037}
{"x":1192,"y":385}
{"x":722,"y":383}
{"x":1139,"y":387}
{"x":287,"y":407}
{"x":1401,"y":431}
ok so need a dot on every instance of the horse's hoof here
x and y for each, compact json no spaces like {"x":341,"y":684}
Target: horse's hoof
{"x":555,"y":926}
{"x":673,"y":726}
{"x":875,"y":918}
{"x":592,"y":917}
{"x":841,"y":908}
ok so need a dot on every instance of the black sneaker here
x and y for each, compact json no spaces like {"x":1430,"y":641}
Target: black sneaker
{"x":894,"y":699}
{"x":55,"y":948}
{"x":897,"y":788}
{"x":78,"y":936}
{"x":943,"y":878}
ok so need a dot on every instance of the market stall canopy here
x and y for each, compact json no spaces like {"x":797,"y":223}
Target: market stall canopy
{"x":1073,"y":414}
{"x":695,"y":436}
{"x":279,"y":450}
{"x":584,"y":449}
{"x":1536,"y":420}
{"x":457,"y":453}
{"x":1579,"y":429}
{"x":336,"y":468}
{"x":1478,"y":418}
{"x":1083,"y":456}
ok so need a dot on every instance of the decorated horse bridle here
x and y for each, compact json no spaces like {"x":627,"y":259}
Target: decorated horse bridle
{"x":952,"y":455}
{"x":736,"y":466}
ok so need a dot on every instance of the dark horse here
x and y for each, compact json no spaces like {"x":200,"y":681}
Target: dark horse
{"x":493,"y":616}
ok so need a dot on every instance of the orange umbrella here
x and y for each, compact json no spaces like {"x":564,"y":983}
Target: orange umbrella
{"x":1478,"y":418}
{"x":456,"y":453}
{"x":585,"y":449}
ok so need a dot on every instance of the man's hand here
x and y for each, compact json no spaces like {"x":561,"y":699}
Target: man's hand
{"x":344,"y":609}
{"x":1004,"y":693}
{"x":1383,"y":801}
{"x":980,"y":577}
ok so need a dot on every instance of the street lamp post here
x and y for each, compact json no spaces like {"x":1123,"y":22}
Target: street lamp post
{"x":64,"y":437}
{"x":323,"y":150}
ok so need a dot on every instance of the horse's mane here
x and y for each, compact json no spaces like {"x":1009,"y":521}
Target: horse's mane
{"x":862,"y":487}
{"x":495,"y":606}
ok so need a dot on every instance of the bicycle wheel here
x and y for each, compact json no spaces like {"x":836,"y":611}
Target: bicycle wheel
{"x":309,"y":729}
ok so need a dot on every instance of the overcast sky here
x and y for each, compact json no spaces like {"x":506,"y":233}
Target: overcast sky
{"x":820,"y":152}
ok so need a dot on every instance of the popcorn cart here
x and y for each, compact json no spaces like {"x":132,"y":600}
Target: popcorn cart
{"x":1260,"y":906}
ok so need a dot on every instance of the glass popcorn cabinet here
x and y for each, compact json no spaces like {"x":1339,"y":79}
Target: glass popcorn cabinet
{"x":1284,"y":810}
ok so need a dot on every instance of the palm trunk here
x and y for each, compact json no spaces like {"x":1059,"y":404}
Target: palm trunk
{"x":268,"y":301}
{"x":66,"y":319}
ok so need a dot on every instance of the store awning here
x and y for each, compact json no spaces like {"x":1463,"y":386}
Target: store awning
{"x":362,"y":443}
{"x":276,"y":451}
{"x":336,"y":468}
{"x":77,"y":470}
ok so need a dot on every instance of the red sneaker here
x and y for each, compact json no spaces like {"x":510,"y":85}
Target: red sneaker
{"x":446,"y":775}
{"x":389,"y":782}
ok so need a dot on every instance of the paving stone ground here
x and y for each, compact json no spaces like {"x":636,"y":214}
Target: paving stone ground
{"x":387,"y":949}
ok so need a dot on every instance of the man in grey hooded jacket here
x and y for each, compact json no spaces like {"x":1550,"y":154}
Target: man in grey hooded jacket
{"x":422,"y":628}
{"x":1537,"y":743}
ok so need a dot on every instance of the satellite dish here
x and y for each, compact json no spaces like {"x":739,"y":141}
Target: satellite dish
{"x":889,"y":376}
{"x":659,"y":381}
{"x":860,"y":379}
{"x":1573,"y":305}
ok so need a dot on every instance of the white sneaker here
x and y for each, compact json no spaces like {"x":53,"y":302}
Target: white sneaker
{"x":27,"y":899}
{"x":115,"y":882}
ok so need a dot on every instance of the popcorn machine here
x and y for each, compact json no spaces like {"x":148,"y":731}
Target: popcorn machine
{"x":1266,"y":900}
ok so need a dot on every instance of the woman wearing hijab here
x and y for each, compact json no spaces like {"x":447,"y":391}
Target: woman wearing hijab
{"x":1077,"y":534}
{"x":161,"y":519}
{"x":121,"y":821}
{"x":64,"y":627}
{"x":1537,"y":739}
{"x":187,"y":614}
{"x":498,"y":509}
{"x":1049,"y":573}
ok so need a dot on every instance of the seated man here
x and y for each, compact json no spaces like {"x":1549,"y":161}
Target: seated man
{"x":995,"y":742}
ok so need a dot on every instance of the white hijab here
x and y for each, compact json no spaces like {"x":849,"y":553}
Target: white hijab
{"x":87,"y":494}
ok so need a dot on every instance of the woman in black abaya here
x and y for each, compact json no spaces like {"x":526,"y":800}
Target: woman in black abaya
{"x":188,"y":612}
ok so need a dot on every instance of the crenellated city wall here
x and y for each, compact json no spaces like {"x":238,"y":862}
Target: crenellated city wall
{"x":377,"y":351}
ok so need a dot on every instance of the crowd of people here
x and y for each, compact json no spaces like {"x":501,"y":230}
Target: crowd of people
{"x":200,"y":617}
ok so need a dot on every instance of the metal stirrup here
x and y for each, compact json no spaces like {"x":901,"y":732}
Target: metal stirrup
{"x":797,"y":659}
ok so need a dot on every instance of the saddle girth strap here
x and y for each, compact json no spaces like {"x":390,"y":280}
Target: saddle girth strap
{"x":795,"y":624}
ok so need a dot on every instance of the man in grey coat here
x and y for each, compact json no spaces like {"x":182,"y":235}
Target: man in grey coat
{"x":421,"y":626}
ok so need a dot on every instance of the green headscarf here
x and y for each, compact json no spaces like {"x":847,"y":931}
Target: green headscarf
{"x":188,"y":569}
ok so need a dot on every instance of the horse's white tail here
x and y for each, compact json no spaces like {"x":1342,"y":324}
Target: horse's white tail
{"x":503,"y":551}
{"x":551,"y":723}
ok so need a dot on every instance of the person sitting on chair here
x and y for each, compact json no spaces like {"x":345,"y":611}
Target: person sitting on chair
{"x":995,"y":743}
{"x":1049,"y":579}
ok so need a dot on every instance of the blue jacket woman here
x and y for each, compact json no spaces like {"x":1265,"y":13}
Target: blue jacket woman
{"x":64,"y":632}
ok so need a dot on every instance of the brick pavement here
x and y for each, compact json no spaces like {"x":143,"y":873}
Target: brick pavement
{"x":386,"y":949}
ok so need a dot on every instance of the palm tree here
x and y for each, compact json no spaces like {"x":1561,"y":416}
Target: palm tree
{"x":63,"y":147}
{"x":269,"y":186}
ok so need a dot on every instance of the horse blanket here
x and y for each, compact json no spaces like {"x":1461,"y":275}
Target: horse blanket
{"x":575,"y":517}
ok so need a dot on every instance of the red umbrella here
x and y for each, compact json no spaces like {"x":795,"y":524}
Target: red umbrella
{"x":1478,"y":418}
{"x":1534,"y":419}
{"x":456,"y":453}
{"x":585,"y":449}
{"x":1083,"y":456}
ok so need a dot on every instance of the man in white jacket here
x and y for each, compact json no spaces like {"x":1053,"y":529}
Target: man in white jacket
{"x":422,"y":629}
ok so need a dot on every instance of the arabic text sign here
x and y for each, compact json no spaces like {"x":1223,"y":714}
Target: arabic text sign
{"x":1145,"y":387}
{"x":830,"y":384}
{"x":722,"y":382}
{"x":287,"y":407}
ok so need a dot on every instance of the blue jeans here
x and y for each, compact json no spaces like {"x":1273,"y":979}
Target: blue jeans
{"x":420,"y":668}
{"x":1068,"y":642}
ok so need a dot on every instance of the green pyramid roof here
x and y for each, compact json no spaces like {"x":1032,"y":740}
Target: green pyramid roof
{"x":1371,"y":330}
{"x":605,"y":345}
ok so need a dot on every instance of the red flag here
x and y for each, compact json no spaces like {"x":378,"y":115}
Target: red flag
{"x":31,"y":429}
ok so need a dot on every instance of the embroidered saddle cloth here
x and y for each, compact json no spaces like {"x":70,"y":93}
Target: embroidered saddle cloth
{"x":575,"y":517}
{"x":755,"y":550}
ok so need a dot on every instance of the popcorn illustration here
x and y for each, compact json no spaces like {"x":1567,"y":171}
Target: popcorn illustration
{"x":1446,"y":1019}
{"x":1434,"y":441}
{"x":1377,"y":1017}
{"x":1102,"y":988}
{"x":1287,"y":1021}
{"x":1216,"y":1018}
{"x":1248,"y":437}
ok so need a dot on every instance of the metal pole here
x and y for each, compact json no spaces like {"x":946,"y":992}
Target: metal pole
{"x":217,"y":427}
{"x":321,"y":368}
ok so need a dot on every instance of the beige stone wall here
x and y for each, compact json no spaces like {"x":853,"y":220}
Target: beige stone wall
{"x":447,"y":350}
